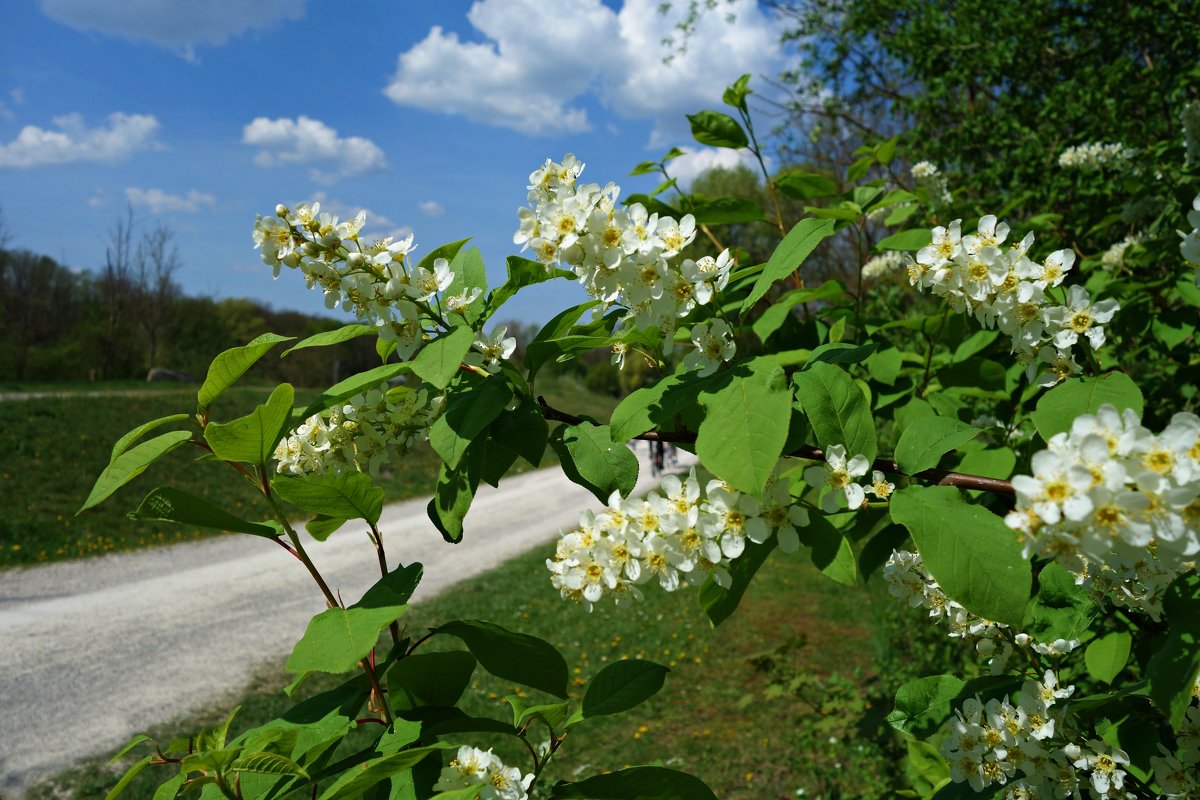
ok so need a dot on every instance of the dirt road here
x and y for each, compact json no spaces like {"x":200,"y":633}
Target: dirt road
{"x":93,"y":651}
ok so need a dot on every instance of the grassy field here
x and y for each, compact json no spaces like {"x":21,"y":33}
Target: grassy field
{"x":781,"y":702}
{"x":56,"y":446}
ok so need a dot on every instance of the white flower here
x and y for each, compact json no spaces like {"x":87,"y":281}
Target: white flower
{"x":472,"y":766}
{"x":492,"y":350}
{"x":840,"y":474}
{"x":714,"y":344}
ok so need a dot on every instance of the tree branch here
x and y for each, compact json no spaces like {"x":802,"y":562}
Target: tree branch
{"x":941,"y":477}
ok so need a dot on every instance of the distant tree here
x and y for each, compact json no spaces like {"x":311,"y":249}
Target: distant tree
{"x":155,"y":291}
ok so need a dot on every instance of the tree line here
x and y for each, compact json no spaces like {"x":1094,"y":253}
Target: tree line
{"x":128,"y":316}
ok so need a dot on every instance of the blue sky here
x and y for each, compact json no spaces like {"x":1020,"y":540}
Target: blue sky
{"x":429,"y":115}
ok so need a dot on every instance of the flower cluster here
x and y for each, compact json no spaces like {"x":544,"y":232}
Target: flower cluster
{"x":374,"y":280}
{"x":885,"y":263}
{"x":930,"y":178}
{"x":840,"y":473}
{"x":1006,"y":289}
{"x":908,"y":580}
{"x":676,"y":535}
{"x":1114,"y":257}
{"x":622,"y":256}
{"x":1115,"y":503}
{"x":1030,"y":744}
{"x":1096,"y":156}
{"x":1190,"y":246}
{"x":472,"y":767}
{"x":1178,"y":773}
{"x":360,"y":433}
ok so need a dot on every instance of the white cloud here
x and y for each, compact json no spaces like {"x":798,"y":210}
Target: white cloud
{"x":99,"y":199}
{"x":431,"y":208}
{"x":540,"y":58}
{"x":18,"y":96}
{"x":118,"y":140}
{"x":686,"y":167}
{"x":171,"y":23}
{"x":160,"y":202}
{"x":310,"y":141}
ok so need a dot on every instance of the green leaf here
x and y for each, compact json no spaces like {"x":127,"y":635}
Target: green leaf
{"x":717,"y":129}
{"x":836,"y":409}
{"x":468,"y":413}
{"x":447,"y":251}
{"x":736,"y":92}
{"x":591,"y":459}
{"x":727,"y":210}
{"x":1059,"y":407}
{"x":645,"y":168}
{"x":720,"y":602}
{"x":974,"y":344}
{"x":128,"y":777}
{"x":469,"y":273}
{"x":884,"y":365}
{"x":900,"y":214}
{"x":452,"y":496}
{"x":1106,"y":657}
{"x":622,"y":685}
{"x":1173,"y":667}
{"x":521,"y":273}
{"x":355,"y":384}
{"x":968,"y":550}
{"x":555,"y":714}
{"x":637,"y":783}
{"x":524,"y":431}
{"x":175,"y":505}
{"x":439,"y":361}
{"x":322,"y":527}
{"x":745,"y":427}
{"x":133,"y":462}
{"x":268,"y":763}
{"x":395,"y":588}
{"x":469,"y":793}
{"x":429,"y":679}
{"x":141,"y":430}
{"x":924,"y":442}
{"x":886,"y":151}
{"x":774,"y":315}
{"x":227,"y":367}
{"x":859,"y":168}
{"x":913,"y":239}
{"x":327,"y":338}
{"x":832,"y":553}
{"x":835,"y":352}
{"x":132,"y":743}
{"x":789,"y":255}
{"x":252,"y":439}
{"x":1061,"y":609}
{"x":924,"y":704}
{"x":349,"y":495}
{"x":806,"y":185}
{"x":518,"y":657}
{"x":354,"y":782}
{"x":338,"y":638}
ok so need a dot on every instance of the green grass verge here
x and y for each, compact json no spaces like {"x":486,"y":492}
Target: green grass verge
{"x":55,"y":448}
{"x":771,"y":705}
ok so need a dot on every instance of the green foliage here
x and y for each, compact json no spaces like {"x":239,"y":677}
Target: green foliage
{"x":591,"y":458}
{"x":621,"y":686}
{"x":745,"y":426}
{"x":232,"y":364}
{"x":252,"y":438}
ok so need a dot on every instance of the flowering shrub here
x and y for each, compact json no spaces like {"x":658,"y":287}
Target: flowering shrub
{"x":985,"y":449}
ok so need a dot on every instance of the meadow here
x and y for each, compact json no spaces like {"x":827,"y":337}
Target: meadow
{"x":56,"y":445}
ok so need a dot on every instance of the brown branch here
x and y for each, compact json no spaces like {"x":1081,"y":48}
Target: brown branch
{"x":941,"y":477}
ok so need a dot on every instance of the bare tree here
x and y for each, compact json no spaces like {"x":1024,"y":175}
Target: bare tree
{"x":156,"y":262}
{"x":115,"y":285}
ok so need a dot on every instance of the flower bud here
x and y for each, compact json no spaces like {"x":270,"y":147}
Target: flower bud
{"x":311,"y":249}
{"x":356,"y":261}
{"x":281,"y":211}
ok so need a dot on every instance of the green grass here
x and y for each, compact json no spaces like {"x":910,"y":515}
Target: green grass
{"x":718,"y":715}
{"x":55,"y":447}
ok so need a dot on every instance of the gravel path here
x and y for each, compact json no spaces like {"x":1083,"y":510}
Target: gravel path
{"x":106,"y":647}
